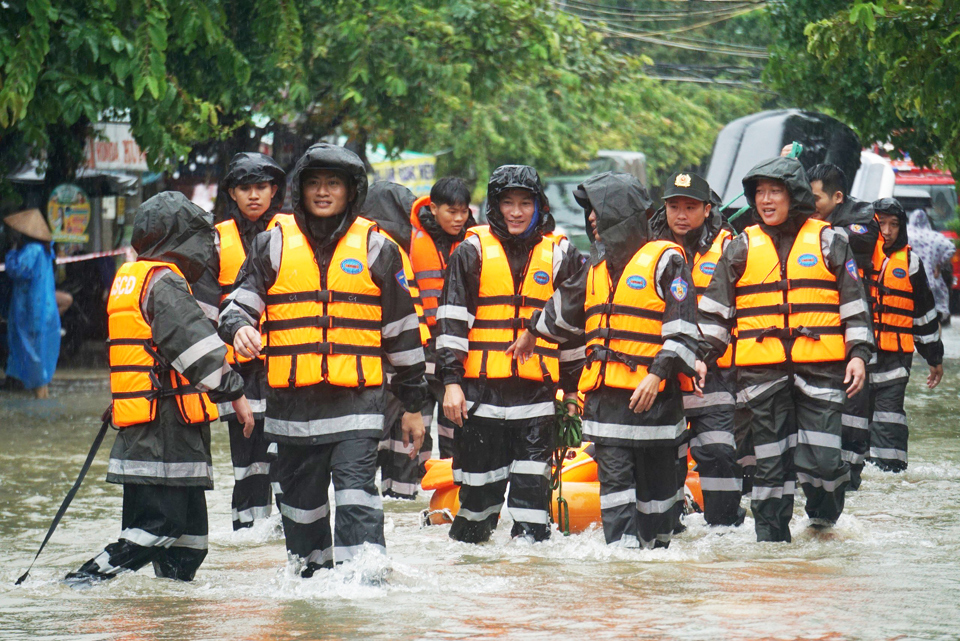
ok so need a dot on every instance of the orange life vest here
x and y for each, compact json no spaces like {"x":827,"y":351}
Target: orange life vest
{"x":799,"y":301}
{"x":893,"y":293}
{"x":429,"y":265}
{"x":703,"y":266}
{"x":232,"y":255}
{"x":502,"y":312}
{"x":555,"y":237}
{"x":409,"y":281}
{"x":324,"y":327}
{"x":139,"y":376}
{"x":624,"y":326}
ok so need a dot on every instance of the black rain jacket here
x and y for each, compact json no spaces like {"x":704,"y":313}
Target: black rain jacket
{"x":458,"y":302}
{"x":324,"y":413}
{"x":170,"y":228}
{"x":622,"y":205}
{"x":718,"y":305}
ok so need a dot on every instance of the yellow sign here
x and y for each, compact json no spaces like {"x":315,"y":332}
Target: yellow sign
{"x":69,"y":213}
{"x":416,"y":174}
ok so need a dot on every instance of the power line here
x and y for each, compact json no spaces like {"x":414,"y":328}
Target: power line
{"x":630,"y":35}
{"x":640,"y":15}
{"x":752,"y":85}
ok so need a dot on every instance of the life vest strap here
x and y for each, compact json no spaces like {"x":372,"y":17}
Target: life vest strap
{"x":786,"y":333}
{"x":893,"y":329}
{"x":509,"y":323}
{"x":886,"y":290}
{"x":515,"y":300}
{"x":788,"y":308}
{"x":625,"y":335}
{"x":150,"y":394}
{"x":137,"y":342}
{"x":132,"y":368}
{"x":784,"y":285}
{"x":883,"y":308}
{"x":494,"y":346}
{"x":328,"y":349}
{"x":323,"y":296}
{"x":429,"y":273}
{"x":605,"y":354}
{"x":623,"y":310}
{"x":321,"y":322}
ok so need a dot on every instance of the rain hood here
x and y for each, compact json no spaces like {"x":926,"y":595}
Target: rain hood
{"x":388,"y":204}
{"x":321,"y":232}
{"x":891,"y":206}
{"x":790,"y":172}
{"x":170,"y":228}
{"x":622,"y":205}
{"x":248,"y":168}
{"x":508,"y":177}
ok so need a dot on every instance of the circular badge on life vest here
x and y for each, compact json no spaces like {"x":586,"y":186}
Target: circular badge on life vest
{"x":899,"y":272}
{"x":852,"y":268}
{"x":636,"y":282}
{"x":708,"y":268}
{"x":679,"y":288}
{"x":541,"y":277}
{"x":351,"y":266}
{"x":807,"y":260}
{"x":858,"y":229}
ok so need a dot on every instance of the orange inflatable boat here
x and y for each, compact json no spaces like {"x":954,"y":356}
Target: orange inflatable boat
{"x":579,"y":488}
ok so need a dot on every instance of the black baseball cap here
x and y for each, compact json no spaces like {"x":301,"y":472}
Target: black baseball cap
{"x":580,"y":195}
{"x":687,"y":184}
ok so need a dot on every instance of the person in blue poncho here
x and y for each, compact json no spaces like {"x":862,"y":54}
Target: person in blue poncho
{"x":33,"y":325}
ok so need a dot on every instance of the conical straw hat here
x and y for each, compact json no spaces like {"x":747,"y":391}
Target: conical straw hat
{"x":29,"y":222}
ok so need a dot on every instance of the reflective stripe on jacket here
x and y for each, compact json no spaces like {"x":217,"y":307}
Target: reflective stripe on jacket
{"x":502,"y":313}
{"x":798,"y":303}
{"x":324,"y":325}
{"x":892,"y":292}
{"x":139,"y":376}
{"x":624,"y":326}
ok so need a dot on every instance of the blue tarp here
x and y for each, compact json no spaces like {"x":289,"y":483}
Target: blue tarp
{"x":33,"y":326}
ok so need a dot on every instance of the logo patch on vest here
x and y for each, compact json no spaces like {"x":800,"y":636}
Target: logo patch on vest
{"x":679,"y":288}
{"x":402,"y":279}
{"x":807,"y":260}
{"x":708,"y":268}
{"x":541,"y":277}
{"x":858,"y":229}
{"x":899,"y":272}
{"x":351,"y":266}
{"x":852,"y":268}
{"x":636,"y":282}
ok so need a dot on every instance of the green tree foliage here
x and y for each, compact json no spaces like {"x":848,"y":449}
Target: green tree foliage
{"x":170,"y":67}
{"x":889,"y":69}
{"x":488,"y":81}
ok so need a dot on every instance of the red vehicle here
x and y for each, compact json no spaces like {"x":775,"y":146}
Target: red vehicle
{"x":936,"y":192}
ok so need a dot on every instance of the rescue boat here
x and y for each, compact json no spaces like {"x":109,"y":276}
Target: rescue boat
{"x":579,"y":487}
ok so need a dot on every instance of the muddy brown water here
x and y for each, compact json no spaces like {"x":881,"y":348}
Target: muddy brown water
{"x":889,"y":569}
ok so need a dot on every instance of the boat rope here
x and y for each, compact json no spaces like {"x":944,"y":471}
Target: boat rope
{"x":569,"y":434}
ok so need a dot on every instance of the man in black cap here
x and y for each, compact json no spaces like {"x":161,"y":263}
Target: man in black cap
{"x":690,"y":219}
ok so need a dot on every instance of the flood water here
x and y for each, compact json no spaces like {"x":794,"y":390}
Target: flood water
{"x":889,"y":570}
